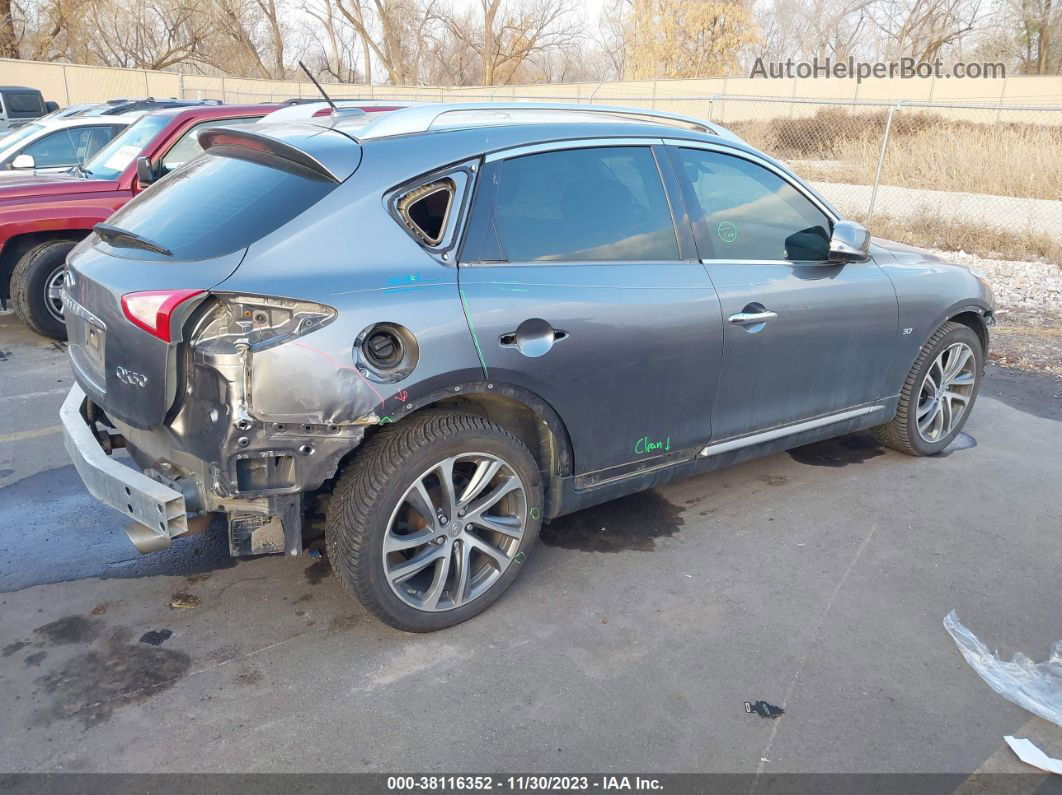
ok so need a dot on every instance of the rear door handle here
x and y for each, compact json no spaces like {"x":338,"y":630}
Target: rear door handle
{"x":534,"y":337}
{"x":752,"y":318}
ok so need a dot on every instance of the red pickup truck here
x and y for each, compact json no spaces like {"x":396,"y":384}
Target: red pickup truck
{"x":42,"y":218}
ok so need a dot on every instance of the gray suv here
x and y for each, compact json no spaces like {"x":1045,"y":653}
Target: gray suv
{"x":444,"y":325}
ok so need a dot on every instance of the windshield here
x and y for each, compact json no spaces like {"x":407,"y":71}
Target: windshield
{"x":220,"y":202}
{"x":18,"y":136}
{"x":112,"y":160}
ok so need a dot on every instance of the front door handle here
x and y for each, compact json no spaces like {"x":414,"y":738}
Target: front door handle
{"x":752,"y":318}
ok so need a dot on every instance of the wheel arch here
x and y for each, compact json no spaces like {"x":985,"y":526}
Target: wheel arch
{"x":971,"y":313}
{"x":533,"y":420}
{"x":974,"y":319}
{"x":17,"y":246}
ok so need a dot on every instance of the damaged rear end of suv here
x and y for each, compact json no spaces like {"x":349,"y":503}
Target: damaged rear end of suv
{"x":239,"y":329}
{"x":163,"y":354}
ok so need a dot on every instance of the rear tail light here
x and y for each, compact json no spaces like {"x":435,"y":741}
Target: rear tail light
{"x":256,"y":320}
{"x":151,"y":310}
{"x":363,"y":109}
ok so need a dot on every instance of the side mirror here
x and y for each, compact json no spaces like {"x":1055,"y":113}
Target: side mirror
{"x":51,"y":107}
{"x":850,"y":242}
{"x":24,"y":162}
{"x":145,"y":172}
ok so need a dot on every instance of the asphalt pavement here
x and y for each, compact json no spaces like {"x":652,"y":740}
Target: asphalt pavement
{"x":814,"y":580}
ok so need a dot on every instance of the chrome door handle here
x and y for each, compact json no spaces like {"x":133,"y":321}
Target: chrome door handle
{"x":752,"y":318}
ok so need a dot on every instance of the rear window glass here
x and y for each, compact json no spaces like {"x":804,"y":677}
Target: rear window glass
{"x":219,"y":203}
{"x":23,"y":102}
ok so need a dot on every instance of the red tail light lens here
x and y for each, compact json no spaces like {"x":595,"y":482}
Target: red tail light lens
{"x":151,"y":310}
{"x":365,"y":108}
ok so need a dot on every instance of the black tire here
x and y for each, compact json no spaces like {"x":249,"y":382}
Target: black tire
{"x":370,"y":490}
{"x":902,"y":433}
{"x":29,"y":287}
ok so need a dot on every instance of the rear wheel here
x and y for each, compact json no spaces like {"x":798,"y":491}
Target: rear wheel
{"x":429,"y":524}
{"x":939,"y":393}
{"x":36,"y":287}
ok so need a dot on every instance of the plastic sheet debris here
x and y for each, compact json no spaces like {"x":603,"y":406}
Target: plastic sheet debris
{"x":763,"y":709}
{"x":1031,"y":755}
{"x":1036,"y":687}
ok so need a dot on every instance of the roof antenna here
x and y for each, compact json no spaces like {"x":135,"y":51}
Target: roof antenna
{"x":328,"y":99}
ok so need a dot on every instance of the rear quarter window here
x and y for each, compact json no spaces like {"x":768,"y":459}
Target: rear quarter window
{"x":221,"y":202}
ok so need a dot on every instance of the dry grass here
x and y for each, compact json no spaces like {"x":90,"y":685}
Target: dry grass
{"x":932,"y":231}
{"x":925,"y":150}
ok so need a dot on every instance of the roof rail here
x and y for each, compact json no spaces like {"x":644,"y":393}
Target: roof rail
{"x":423,"y":118}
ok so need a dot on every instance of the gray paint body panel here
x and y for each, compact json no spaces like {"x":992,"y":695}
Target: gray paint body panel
{"x":648,"y":352}
{"x":827,"y":350}
{"x":640,"y":361}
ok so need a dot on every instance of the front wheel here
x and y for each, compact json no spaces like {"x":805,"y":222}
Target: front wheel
{"x":939,"y":393}
{"x":36,"y":287}
{"x":431,"y":521}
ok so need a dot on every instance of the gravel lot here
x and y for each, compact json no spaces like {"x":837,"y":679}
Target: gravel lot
{"x":1005,"y":213}
{"x":1028,"y":334}
{"x":1028,"y":291}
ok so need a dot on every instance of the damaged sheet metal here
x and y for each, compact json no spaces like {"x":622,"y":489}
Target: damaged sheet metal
{"x":1036,"y":687}
{"x":278,"y":386}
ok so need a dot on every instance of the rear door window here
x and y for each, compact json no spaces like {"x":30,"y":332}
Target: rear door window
{"x":220,"y":203}
{"x":593,"y":204}
{"x":743,"y":211}
{"x":69,"y":146}
{"x":57,"y":149}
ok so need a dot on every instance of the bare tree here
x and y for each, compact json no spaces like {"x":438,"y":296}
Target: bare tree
{"x":8,"y":41}
{"x":925,"y":29}
{"x":268,"y":9}
{"x":254,"y":28}
{"x":609,"y":39}
{"x":686,"y":38}
{"x":507,"y":37}
{"x":804,"y":29}
{"x":1038,"y":22}
{"x":338,"y":44}
{"x":153,"y":34}
{"x":395,"y":31}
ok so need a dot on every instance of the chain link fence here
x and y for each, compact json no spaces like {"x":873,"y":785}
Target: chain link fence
{"x":986,"y":179}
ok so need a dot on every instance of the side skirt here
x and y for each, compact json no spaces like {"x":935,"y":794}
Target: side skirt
{"x":575,"y":496}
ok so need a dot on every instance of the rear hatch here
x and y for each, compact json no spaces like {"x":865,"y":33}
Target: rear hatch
{"x":186,"y":234}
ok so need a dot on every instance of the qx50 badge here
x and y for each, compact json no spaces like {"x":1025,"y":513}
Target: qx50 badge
{"x":130,"y":377}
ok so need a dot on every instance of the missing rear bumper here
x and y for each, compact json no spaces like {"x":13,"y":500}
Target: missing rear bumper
{"x":157,"y":512}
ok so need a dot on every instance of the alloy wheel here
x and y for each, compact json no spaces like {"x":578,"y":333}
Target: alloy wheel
{"x":946,"y":392}
{"x":455,"y":532}
{"x":53,"y":293}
